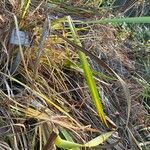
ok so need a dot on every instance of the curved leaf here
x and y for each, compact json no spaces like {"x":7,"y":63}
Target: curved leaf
{"x":94,"y":142}
{"x":88,"y":75}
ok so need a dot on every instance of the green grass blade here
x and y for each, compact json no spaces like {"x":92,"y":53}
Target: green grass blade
{"x":99,"y":140}
{"x":88,"y":75}
{"x":120,"y":20}
{"x":25,"y":8}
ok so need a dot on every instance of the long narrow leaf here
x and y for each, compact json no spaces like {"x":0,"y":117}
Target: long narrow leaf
{"x":88,"y":75}
{"x":120,"y":20}
{"x":25,"y":8}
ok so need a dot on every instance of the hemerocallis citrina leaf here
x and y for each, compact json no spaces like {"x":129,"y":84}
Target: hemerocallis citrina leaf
{"x":88,"y":75}
{"x":61,"y":143}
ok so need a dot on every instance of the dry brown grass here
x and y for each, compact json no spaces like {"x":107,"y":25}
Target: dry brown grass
{"x":28,"y":116}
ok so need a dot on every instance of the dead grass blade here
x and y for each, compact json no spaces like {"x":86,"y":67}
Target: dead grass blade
{"x":43,"y":97}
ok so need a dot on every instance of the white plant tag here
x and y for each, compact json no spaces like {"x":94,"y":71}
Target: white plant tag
{"x":23,"y":36}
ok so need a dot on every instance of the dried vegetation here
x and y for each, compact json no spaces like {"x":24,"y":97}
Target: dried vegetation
{"x":43,"y":88}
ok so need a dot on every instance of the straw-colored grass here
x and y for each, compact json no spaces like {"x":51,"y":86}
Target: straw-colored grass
{"x":55,"y":91}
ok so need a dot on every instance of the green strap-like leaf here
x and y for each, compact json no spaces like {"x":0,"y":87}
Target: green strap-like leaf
{"x":120,"y":20}
{"x":94,"y":142}
{"x":88,"y":75}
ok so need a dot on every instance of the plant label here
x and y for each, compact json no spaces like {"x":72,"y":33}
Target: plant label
{"x":19,"y":38}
